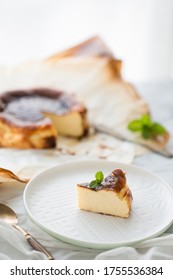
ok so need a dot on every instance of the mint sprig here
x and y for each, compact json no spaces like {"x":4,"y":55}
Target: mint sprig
{"x":99,"y":177}
{"x":146,"y":127}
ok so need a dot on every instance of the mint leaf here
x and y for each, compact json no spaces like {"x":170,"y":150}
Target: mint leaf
{"x":146,"y":127}
{"x":145,"y":120}
{"x":99,"y":176}
{"x":146,"y":132}
{"x":135,"y":125}
{"x":158,"y":129}
{"x":93,"y":184}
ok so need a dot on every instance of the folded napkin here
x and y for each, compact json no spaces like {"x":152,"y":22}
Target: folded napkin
{"x":154,"y":249}
{"x":13,"y":245}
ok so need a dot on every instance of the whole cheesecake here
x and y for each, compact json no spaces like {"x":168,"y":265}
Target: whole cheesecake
{"x":112,"y":196}
{"x":34,"y":118}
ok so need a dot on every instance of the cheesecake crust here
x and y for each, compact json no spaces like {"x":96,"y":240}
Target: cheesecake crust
{"x":115,"y":181}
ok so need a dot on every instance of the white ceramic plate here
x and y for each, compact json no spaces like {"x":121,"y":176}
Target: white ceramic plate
{"x":51,"y":202}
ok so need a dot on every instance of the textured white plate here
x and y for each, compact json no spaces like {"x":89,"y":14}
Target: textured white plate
{"x":51,"y":202}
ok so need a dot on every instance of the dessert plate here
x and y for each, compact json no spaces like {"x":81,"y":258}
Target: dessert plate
{"x":51,"y":202}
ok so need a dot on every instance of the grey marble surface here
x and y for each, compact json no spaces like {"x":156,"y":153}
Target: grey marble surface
{"x":160,"y":99}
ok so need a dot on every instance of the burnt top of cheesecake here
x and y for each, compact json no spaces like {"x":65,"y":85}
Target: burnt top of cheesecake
{"x":29,"y":105}
{"x":115,"y":181}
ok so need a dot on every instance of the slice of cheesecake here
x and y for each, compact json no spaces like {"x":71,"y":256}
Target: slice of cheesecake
{"x":34,"y":118}
{"x":112,"y":196}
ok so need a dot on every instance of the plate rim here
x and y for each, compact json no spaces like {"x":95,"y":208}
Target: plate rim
{"x":85,"y":244}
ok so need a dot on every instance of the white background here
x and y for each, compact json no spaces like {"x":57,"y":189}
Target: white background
{"x":140,"y":32}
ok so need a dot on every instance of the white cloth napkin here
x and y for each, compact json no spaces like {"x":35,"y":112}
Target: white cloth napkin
{"x":14,"y":246}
